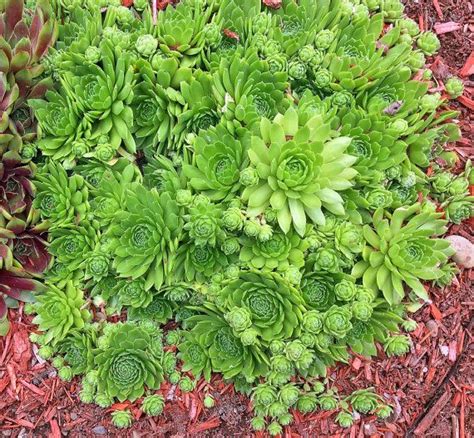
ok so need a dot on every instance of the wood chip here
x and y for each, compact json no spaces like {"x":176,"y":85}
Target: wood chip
{"x":438,"y":9}
{"x":433,"y":413}
{"x":450,"y":26}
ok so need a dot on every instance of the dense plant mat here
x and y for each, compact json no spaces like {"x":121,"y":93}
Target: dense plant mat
{"x":252,"y":190}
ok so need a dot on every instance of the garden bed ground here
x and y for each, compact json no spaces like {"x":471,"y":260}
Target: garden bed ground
{"x":432,"y":388}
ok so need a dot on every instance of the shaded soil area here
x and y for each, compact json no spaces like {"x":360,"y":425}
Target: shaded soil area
{"x":432,"y":388}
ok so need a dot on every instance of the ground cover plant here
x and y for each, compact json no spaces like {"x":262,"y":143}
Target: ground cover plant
{"x":253,"y":177}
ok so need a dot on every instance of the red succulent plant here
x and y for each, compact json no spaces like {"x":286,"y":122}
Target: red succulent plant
{"x":22,"y":242}
{"x":14,"y":287}
{"x":21,"y":47}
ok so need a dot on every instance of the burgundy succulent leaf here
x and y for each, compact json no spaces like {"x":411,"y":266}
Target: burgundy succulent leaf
{"x":4,"y":250}
{"x":20,"y":32}
{"x":31,"y":251}
{"x":13,"y":284}
{"x":16,"y":226}
{"x":13,"y":14}
{"x":3,"y":308}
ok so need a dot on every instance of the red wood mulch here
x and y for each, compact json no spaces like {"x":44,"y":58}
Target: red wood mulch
{"x":432,"y":388}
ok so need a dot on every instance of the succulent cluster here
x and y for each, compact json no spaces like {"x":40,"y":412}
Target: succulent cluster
{"x":262,"y":177}
{"x":26,"y":34}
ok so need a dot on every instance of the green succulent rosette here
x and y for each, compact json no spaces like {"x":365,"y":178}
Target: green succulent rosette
{"x":109,"y":194}
{"x":125,"y":366}
{"x":375,"y":144}
{"x":296,"y":167}
{"x":204,"y":224}
{"x":94,"y":102}
{"x":72,"y":244}
{"x":199,"y":262}
{"x":77,"y":349}
{"x":218,"y":160}
{"x":211,"y":346}
{"x":159,"y":310}
{"x":143,"y":235}
{"x":157,"y":102}
{"x":59,"y":311}
{"x":275,"y":308}
{"x":133,"y":293}
{"x":180,"y":30}
{"x":246,"y":90}
{"x":337,"y":321}
{"x":200,"y":109}
{"x":318,"y":289}
{"x":279,"y":252}
{"x":402,"y":251}
{"x":60,"y":199}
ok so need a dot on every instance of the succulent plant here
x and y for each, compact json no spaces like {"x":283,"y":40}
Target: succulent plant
{"x":293,"y":170}
{"x":60,"y":199}
{"x":153,"y":405}
{"x":60,"y":311}
{"x":209,"y":173}
{"x":22,"y":238}
{"x":397,"y":345}
{"x":76,"y":350}
{"x":455,"y":87}
{"x":278,"y":252}
{"x":399,"y":251}
{"x":15,"y":286}
{"x":428,"y":43}
{"x":125,"y":365}
{"x":94,"y":98}
{"x":219,"y":158}
{"x":139,"y":240}
{"x":274,"y":308}
{"x":122,"y":419}
{"x":211,"y":345}
{"x":25,"y":40}
{"x":364,"y":401}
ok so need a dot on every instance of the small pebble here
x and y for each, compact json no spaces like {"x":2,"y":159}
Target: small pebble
{"x":464,"y":255}
{"x":432,"y":326}
{"x":99,"y":430}
{"x":73,"y":416}
{"x":370,"y":429}
{"x":444,"y":350}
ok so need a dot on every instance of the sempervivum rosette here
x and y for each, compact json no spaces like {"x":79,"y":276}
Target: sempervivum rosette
{"x":200,"y":109}
{"x":72,"y":243}
{"x":15,"y":286}
{"x":77,"y":349}
{"x":218,"y":159}
{"x":179,"y":30}
{"x":26,"y":38}
{"x":60,"y":199}
{"x":402,"y":251}
{"x":143,"y":234}
{"x":95,"y":101}
{"x":198,"y":262}
{"x":211,"y":345}
{"x":275,"y":308}
{"x":300,"y":170}
{"x":246,"y":90}
{"x":22,"y":242}
{"x":124,"y":364}
{"x":157,"y":102}
{"x":374,"y":142}
{"x":279,"y":252}
{"x":59,"y":311}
